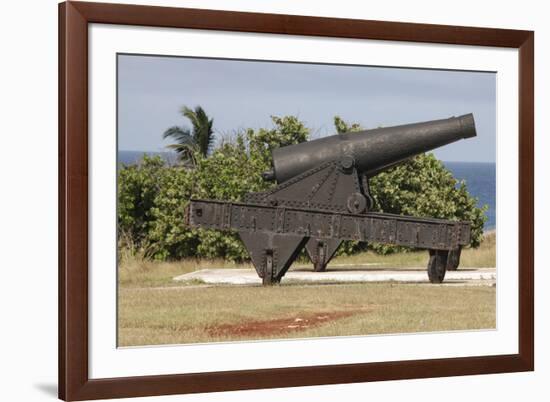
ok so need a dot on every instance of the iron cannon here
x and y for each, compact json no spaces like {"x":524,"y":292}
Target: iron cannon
{"x":322,"y":197}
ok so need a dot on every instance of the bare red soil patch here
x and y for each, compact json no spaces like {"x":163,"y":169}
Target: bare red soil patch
{"x":299,"y":322}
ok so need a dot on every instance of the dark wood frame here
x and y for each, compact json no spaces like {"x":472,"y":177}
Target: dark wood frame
{"x":74,"y":17}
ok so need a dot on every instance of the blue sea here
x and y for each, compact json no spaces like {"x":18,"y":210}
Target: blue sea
{"x":131,"y":157}
{"x":480,"y":179}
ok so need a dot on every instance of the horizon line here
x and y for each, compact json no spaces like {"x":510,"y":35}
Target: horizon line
{"x":172,"y":152}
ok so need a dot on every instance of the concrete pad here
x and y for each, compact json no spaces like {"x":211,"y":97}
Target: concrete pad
{"x":472,"y":276}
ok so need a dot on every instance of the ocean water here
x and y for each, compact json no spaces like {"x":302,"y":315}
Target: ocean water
{"x":480,"y":179}
{"x":131,"y":157}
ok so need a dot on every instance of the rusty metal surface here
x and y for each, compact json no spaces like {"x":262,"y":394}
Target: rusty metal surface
{"x":323,"y":198}
{"x":321,"y":251}
{"x":372,"y":150}
{"x":370,"y":227}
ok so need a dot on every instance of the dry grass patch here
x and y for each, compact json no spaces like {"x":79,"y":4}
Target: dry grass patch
{"x":188,"y":315}
{"x":134,"y":271}
{"x":481,"y":257}
{"x":155,"y":310}
{"x":138,"y":272}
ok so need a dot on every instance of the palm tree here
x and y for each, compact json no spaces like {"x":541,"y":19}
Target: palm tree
{"x":198,"y":139}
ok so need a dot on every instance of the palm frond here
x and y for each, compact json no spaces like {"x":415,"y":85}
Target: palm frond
{"x":200,"y":138}
{"x":202,"y":127}
{"x":176,"y":132}
{"x":186,"y":153}
{"x":179,"y":148}
{"x":192,"y":116}
{"x":185,"y":145}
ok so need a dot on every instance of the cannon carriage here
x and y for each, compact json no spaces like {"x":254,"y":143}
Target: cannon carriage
{"x":322,"y":198}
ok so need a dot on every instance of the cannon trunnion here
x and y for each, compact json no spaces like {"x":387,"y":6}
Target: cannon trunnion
{"x":323,"y":198}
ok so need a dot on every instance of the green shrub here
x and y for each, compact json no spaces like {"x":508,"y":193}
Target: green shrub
{"x":153,"y":196}
{"x":138,"y":186}
{"x":421,"y":186}
{"x":167,"y":237}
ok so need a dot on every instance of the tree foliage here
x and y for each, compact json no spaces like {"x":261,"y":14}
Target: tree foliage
{"x":197,"y":140}
{"x":421,"y":186}
{"x":153,"y":196}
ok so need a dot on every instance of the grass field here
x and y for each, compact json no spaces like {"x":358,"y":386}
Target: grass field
{"x":153,"y":309}
{"x":137,"y":272}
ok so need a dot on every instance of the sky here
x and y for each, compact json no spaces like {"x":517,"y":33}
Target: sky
{"x":241,"y":94}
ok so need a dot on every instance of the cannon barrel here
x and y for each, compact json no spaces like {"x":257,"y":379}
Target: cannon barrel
{"x":372,"y":150}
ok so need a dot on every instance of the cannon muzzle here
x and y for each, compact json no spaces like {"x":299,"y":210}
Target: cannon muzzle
{"x":371,"y":151}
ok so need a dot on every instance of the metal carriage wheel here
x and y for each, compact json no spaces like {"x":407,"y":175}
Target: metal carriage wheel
{"x":437,"y":265}
{"x":454,"y":259}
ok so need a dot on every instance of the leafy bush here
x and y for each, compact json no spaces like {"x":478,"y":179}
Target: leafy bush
{"x":153,"y":196}
{"x":138,"y":186}
{"x":421,"y":186}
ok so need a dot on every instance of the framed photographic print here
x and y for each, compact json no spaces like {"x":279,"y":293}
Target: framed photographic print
{"x":260,"y":200}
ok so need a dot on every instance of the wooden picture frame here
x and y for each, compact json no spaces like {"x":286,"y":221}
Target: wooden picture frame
{"x":74,"y":381}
